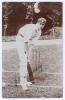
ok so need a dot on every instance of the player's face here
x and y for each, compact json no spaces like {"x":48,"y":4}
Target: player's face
{"x":42,"y":25}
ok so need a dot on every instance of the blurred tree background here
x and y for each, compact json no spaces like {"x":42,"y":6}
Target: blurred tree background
{"x":17,"y":14}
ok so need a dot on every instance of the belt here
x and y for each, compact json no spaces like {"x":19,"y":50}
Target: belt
{"x":21,"y":35}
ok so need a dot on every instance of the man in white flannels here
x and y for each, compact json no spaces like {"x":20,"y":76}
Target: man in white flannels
{"x":25,"y":36}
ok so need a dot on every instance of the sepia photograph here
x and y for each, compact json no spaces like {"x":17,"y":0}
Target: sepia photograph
{"x":32,"y":50}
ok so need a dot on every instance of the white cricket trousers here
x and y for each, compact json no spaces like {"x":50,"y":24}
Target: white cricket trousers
{"x":23,"y":59}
